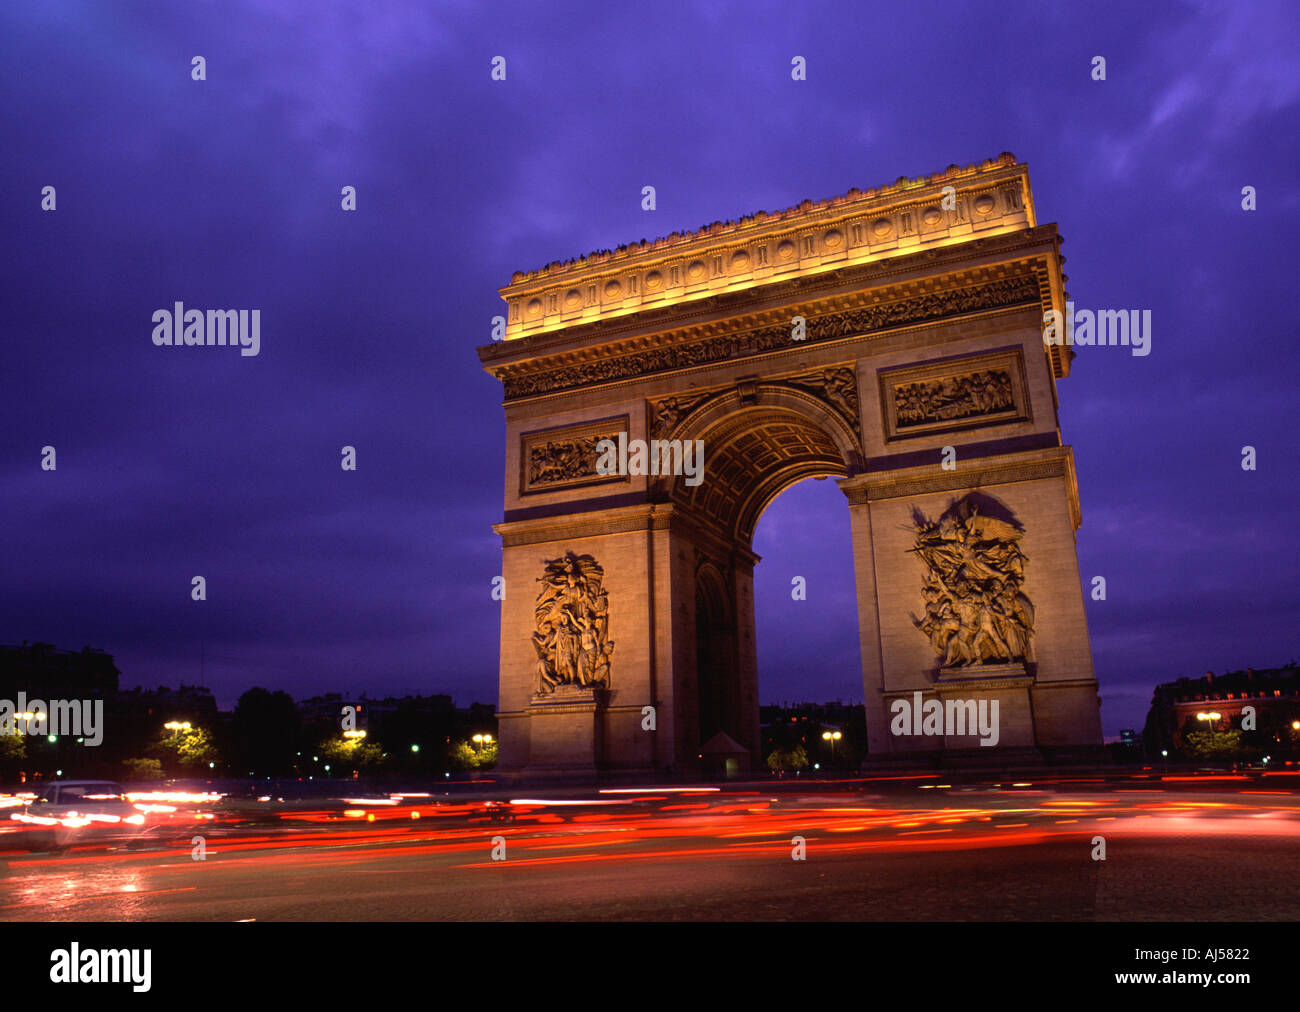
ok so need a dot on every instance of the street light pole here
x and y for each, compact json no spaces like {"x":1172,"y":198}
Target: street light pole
{"x":832,"y":737}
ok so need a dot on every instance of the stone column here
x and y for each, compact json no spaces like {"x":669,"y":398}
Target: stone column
{"x":573,"y":728}
{"x":864,"y":568}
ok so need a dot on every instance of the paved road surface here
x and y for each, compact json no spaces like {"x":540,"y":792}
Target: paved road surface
{"x":936,"y":855}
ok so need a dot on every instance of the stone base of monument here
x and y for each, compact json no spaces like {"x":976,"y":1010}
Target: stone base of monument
{"x":565,"y":730}
{"x":970,"y":714}
{"x":982,"y":673}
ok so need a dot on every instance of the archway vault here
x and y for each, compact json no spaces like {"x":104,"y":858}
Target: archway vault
{"x":891,"y":339}
{"x":756,"y":446}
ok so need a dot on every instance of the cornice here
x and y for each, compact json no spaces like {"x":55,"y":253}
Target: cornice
{"x":623,"y":520}
{"x":947,"y":207}
{"x":573,"y":526}
{"x":1057,"y":462}
{"x":835,"y":320}
{"x":730,"y":310}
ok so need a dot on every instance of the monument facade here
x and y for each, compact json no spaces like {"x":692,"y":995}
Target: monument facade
{"x":891,"y":339}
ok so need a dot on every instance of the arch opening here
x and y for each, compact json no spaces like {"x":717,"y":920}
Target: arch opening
{"x":753,"y":453}
{"x":718,"y":702}
{"x":807,"y":639}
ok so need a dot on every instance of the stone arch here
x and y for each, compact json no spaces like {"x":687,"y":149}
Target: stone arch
{"x":757,"y":443}
{"x":711,"y":588}
{"x":918,"y":335}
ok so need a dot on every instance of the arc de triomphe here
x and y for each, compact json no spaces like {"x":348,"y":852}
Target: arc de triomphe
{"x":891,"y":339}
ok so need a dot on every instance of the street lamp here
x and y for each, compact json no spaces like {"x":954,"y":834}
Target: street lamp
{"x":1210,"y":718}
{"x":832,"y":737}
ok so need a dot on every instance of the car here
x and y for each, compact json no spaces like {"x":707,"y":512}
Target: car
{"x":68,"y":812}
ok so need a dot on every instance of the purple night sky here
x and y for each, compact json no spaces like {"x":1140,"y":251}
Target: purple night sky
{"x":226,"y":194}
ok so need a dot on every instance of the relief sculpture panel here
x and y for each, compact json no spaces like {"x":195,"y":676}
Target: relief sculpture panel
{"x":564,"y":458}
{"x":977,"y":393}
{"x":572,"y":625}
{"x":976,"y":611}
{"x":944,"y":396}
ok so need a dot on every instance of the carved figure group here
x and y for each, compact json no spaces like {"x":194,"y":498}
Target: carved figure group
{"x":837,"y":387}
{"x":975,"y":609}
{"x":980,"y":393}
{"x":562,"y":460}
{"x":671,"y":410}
{"x":572,"y":615}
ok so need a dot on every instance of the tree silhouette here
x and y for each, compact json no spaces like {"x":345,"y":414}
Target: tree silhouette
{"x":264,"y":730}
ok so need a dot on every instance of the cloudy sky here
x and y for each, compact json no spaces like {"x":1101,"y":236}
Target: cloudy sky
{"x":226,"y":193}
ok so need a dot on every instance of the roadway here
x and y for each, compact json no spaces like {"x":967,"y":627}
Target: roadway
{"x":1175,"y":851}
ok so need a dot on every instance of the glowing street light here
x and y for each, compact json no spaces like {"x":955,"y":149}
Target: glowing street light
{"x":354,"y":734}
{"x":832,"y":737}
